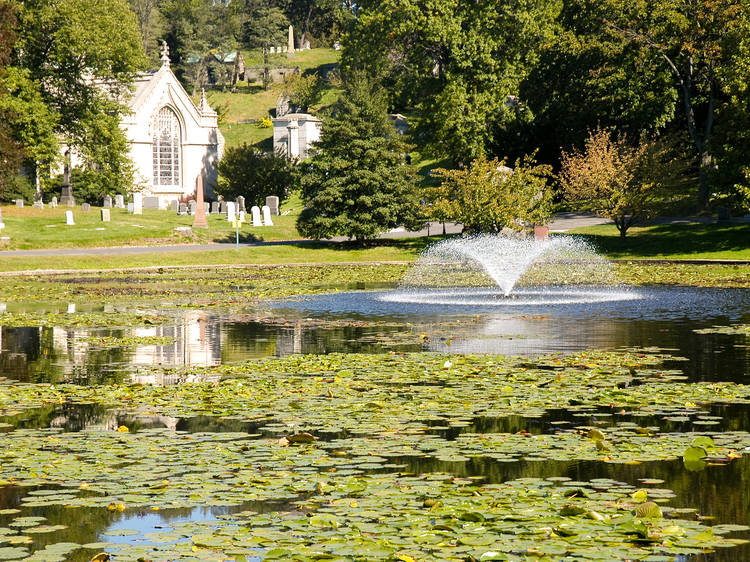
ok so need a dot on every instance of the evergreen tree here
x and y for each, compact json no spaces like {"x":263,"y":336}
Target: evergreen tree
{"x":357,"y":183}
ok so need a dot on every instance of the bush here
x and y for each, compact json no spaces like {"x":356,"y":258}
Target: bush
{"x":254,"y":175}
{"x":89,"y":186}
{"x":487,"y":196}
{"x":17,"y":186}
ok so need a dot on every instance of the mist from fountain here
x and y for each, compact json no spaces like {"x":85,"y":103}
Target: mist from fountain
{"x":487,"y":269}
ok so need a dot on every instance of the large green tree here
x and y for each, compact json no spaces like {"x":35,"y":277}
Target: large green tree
{"x":357,"y":183}
{"x":695,"y":41}
{"x":455,"y":62}
{"x":81,"y":56}
{"x":265,"y":25}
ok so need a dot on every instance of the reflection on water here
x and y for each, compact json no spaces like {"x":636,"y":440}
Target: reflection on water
{"x":364,"y":322}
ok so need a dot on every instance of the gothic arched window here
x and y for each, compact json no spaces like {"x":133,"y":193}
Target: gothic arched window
{"x":167,"y":149}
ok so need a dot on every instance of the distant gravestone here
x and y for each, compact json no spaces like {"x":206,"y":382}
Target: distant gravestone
{"x":278,"y":50}
{"x":53,"y":202}
{"x":105,"y":215}
{"x":306,"y":45}
{"x":272,"y":201}
{"x":192,"y":206}
{"x":174,"y":205}
{"x":337,"y":46}
{"x":107,"y":202}
{"x":207,"y":208}
{"x":182,"y":209}
{"x":19,"y":203}
{"x":255,"y":212}
{"x":242,"y":217}
{"x":69,"y":218}
{"x":267,"y":216}
{"x":131,"y":207}
{"x":272,"y":50}
{"x":119,"y":202}
{"x":137,"y":203}
{"x":85,"y":207}
{"x":151,"y":203}
{"x":241,"y":204}
{"x":222,"y":207}
{"x":231,"y":212}
{"x":38,"y":203}
{"x":215,"y":207}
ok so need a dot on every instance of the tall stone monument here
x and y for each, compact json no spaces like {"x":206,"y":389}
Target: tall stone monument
{"x":66,"y":196}
{"x":200,"y":209}
{"x":290,"y":47}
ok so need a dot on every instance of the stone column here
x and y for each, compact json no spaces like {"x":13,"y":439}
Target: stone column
{"x":293,"y":129}
{"x":290,"y":47}
{"x":66,"y":196}
{"x":200,"y":209}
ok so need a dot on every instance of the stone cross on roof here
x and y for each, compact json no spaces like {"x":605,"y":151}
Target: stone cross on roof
{"x":164,"y":54}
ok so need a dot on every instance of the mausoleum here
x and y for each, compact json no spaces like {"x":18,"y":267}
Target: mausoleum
{"x":294,"y":134}
{"x":172,"y":140}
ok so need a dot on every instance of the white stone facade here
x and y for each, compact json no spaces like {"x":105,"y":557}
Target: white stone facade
{"x":294,"y":134}
{"x":172,"y":140}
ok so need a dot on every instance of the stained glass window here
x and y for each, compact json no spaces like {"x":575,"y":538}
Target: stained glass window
{"x":167,"y":149}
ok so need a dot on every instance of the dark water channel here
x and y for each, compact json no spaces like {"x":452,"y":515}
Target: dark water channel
{"x":362,"y":322}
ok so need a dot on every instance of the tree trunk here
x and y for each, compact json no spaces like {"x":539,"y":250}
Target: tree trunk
{"x":304,"y":25}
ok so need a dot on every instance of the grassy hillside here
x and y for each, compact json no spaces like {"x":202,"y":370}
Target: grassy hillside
{"x":252,"y":102}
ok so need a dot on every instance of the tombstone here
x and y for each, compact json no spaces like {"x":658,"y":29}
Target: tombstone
{"x":38,"y":201}
{"x":272,"y":201}
{"x":105,"y":215}
{"x":131,"y":207}
{"x":272,"y":50}
{"x":174,"y":206}
{"x":306,"y":45}
{"x":85,"y":207}
{"x":69,"y":218}
{"x":214,"y":207}
{"x":267,"y":216}
{"x":151,"y":203}
{"x":241,"y":204}
{"x":119,"y":202}
{"x":242,"y":217}
{"x":337,"y":46}
{"x":207,"y":208}
{"x":278,"y":50}
{"x":192,"y":206}
{"x":66,"y":195}
{"x":107,"y":202}
{"x":137,"y":203}
{"x":19,"y":203}
{"x":53,"y":202}
{"x":231,"y":213}
{"x":255,"y":212}
{"x":541,"y":233}
{"x":222,"y":207}
{"x":285,"y":49}
{"x":282,"y":105}
{"x":182,"y":209}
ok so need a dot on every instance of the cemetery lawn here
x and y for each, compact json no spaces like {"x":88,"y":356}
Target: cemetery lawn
{"x":31,"y":228}
{"x":250,"y":103}
{"x":672,"y":241}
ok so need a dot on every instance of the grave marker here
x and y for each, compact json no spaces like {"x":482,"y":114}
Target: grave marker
{"x":267,"y":216}
{"x":255,"y":212}
{"x":69,"y":218}
{"x":105,"y":215}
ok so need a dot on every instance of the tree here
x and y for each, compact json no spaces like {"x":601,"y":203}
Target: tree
{"x":695,"y":41}
{"x":487,"y":196}
{"x":357,"y":183}
{"x":455,"y":62}
{"x":81,"y":57}
{"x":303,"y":91}
{"x":265,"y":25}
{"x":618,"y":180}
{"x":254,"y":174}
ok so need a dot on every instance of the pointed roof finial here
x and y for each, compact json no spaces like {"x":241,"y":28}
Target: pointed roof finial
{"x":164,"y":54}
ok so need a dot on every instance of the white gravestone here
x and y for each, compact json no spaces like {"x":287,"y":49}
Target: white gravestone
{"x":130,"y":207}
{"x":105,"y":215}
{"x":267,"y":216}
{"x":69,"y":218}
{"x":231,"y":215}
{"x":53,"y":203}
{"x":137,"y":203}
{"x":119,"y":202}
{"x":242,"y":216}
{"x":255,"y":211}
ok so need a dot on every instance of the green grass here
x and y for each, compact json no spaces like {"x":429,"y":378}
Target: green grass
{"x":252,"y":102}
{"x":295,"y":253}
{"x":672,"y":241}
{"x":31,"y":228}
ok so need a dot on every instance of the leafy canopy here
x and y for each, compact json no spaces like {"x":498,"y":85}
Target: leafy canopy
{"x":254,"y":175}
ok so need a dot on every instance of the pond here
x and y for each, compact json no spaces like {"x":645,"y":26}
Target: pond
{"x":194,"y":467}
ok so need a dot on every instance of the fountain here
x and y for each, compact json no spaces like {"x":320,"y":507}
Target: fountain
{"x":486,"y":269}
